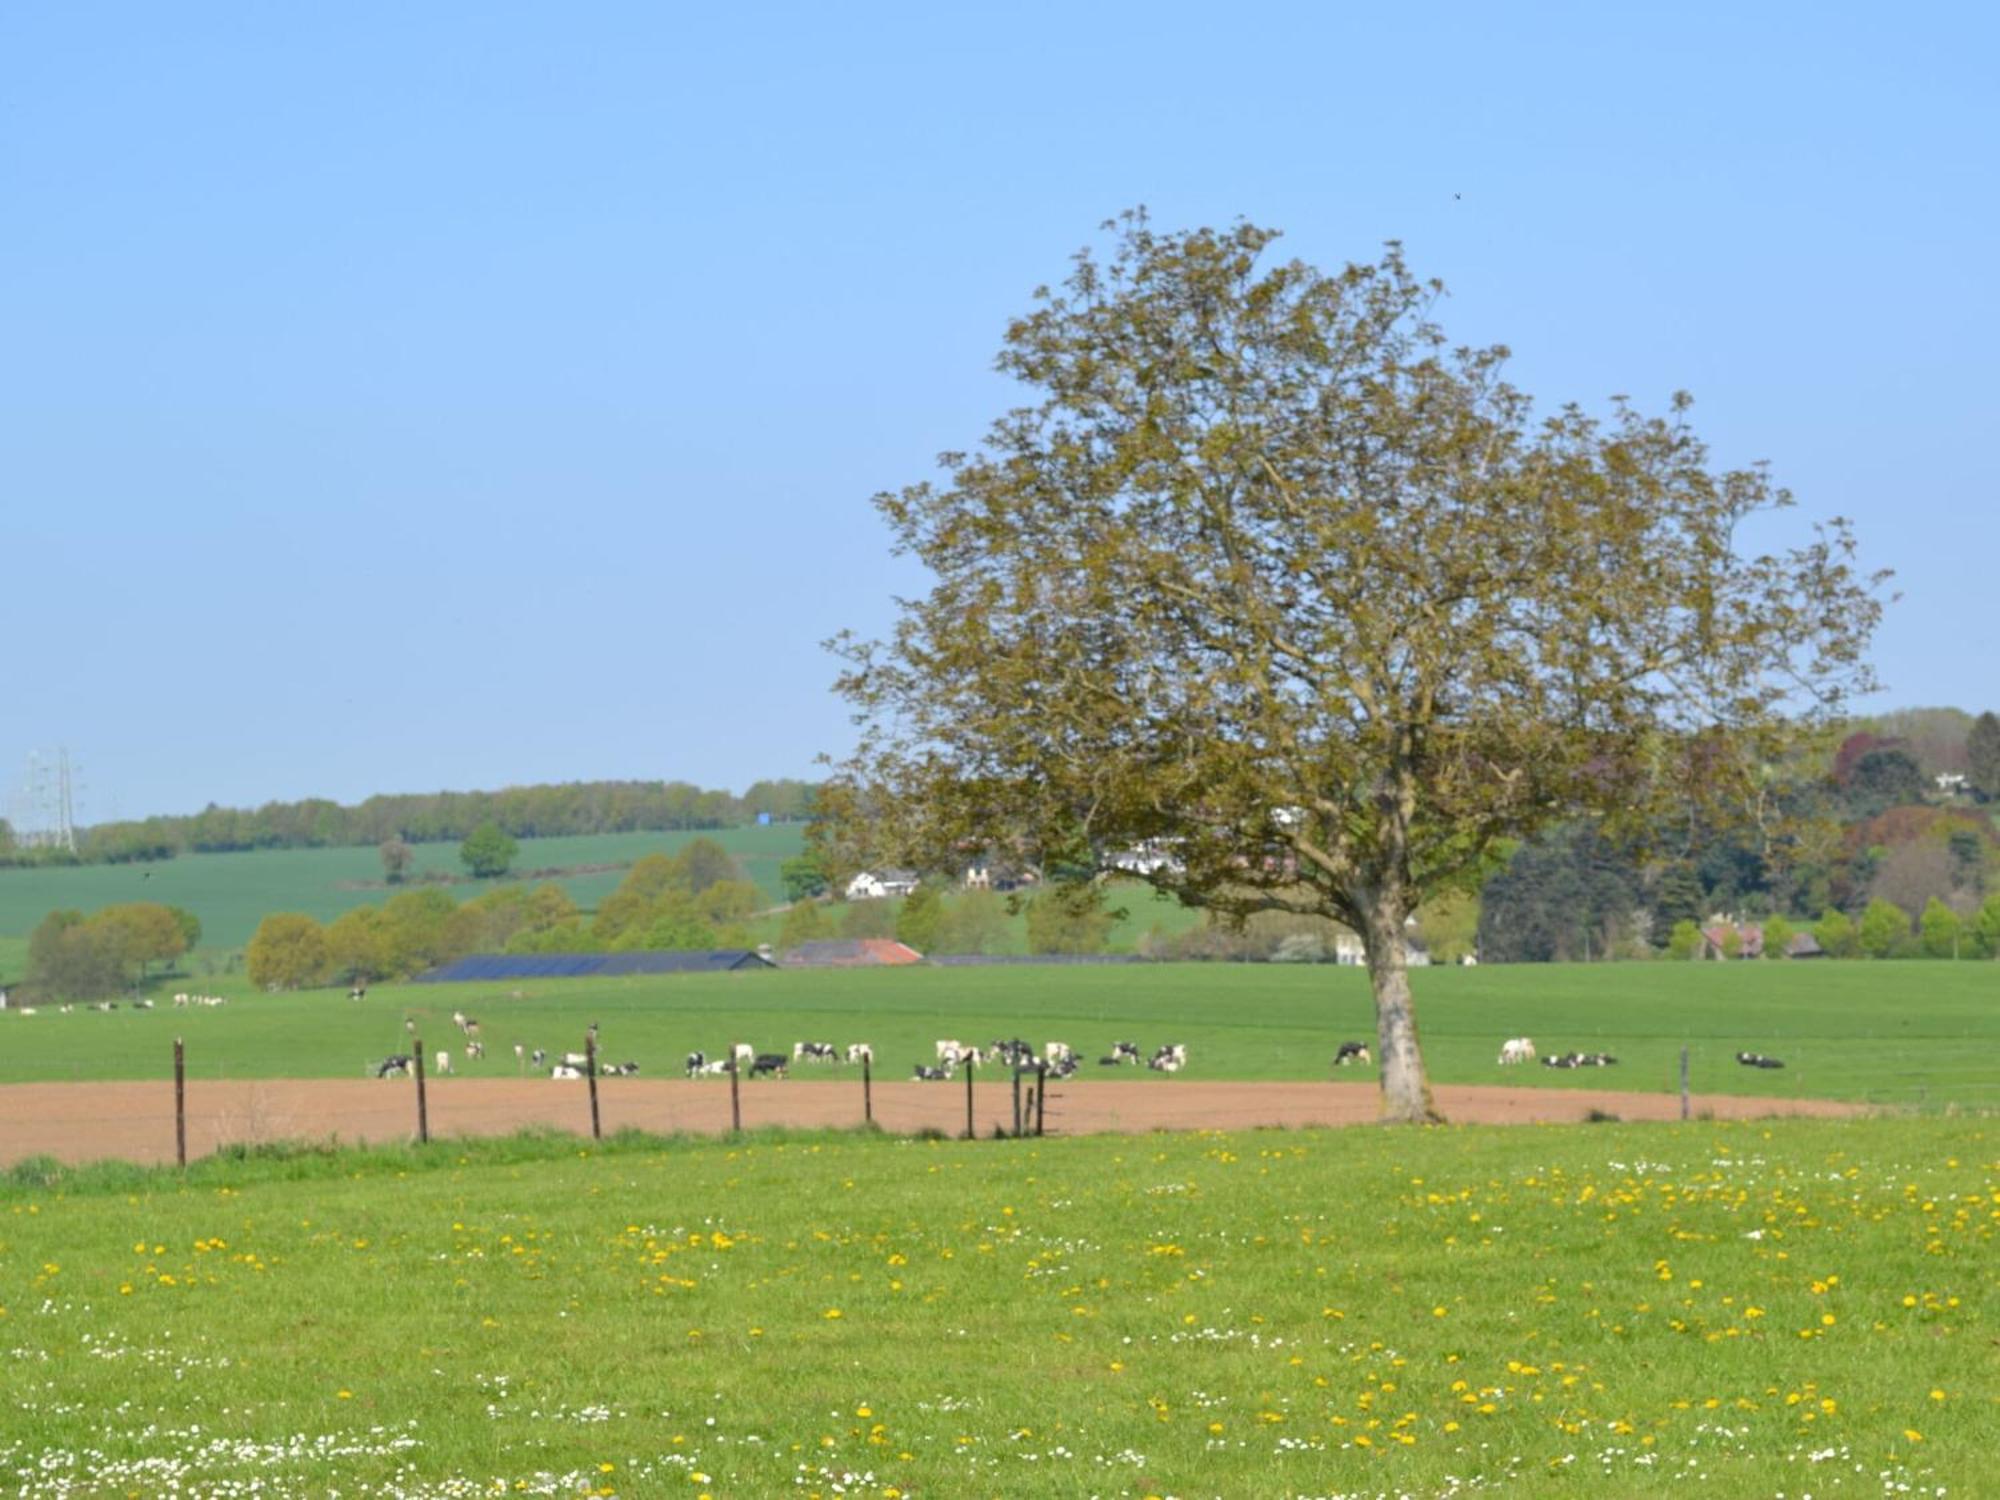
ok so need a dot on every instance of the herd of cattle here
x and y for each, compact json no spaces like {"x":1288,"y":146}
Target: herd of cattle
{"x":1521,"y":1049}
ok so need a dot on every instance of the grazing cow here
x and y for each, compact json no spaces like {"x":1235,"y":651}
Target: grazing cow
{"x":142,"y":1005}
{"x":950,"y":1050}
{"x":860,"y":1052}
{"x":932,"y":1075}
{"x":537,"y":1058}
{"x":773,"y":1063}
{"x":476,"y":1051}
{"x":1757,"y":1060}
{"x":1057,"y":1052}
{"x":520,"y":1052}
{"x":358,"y":992}
{"x":619,"y":1070}
{"x":1169,"y":1059}
{"x":820,"y":1052}
{"x":443,"y":1061}
{"x":1064,"y":1067}
{"x":1351,"y":1052}
{"x":697,"y":1062}
{"x":1516,"y":1050}
{"x":393,"y":1067}
{"x":458,"y":1019}
{"x":1125,"y":1052}
{"x":564,"y":1070}
{"x":742,"y":1053}
{"x":180,"y":1002}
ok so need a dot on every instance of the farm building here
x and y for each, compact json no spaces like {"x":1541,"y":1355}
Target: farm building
{"x":874,"y":885}
{"x":1749,"y":942}
{"x":479,"y":966}
{"x":851,"y":953}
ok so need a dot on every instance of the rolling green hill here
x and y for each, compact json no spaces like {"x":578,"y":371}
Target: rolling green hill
{"x":231,"y":893}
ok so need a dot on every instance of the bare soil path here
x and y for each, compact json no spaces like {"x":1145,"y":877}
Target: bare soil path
{"x":80,"y":1122}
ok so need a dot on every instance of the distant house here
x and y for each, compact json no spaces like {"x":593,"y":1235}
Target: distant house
{"x":990,"y":875}
{"x":1148,"y":858}
{"x":1950,"y":782}
{"x":875,"y":885}
{"x":1715,"y":942}
{"x":851,"y":953}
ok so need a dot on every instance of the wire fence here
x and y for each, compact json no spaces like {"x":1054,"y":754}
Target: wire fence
{"x":203,"y":1111}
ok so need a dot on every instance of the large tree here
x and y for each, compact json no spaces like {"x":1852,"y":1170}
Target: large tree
{"x":1271,"y":576}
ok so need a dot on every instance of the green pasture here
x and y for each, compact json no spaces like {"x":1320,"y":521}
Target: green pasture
{"x":1788,"y":1308}
{"x":231,"y":893}
{"x":1918,"y":1034}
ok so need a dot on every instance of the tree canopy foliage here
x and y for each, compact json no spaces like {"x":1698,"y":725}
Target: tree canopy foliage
{"x":76,"y":957}
{"x":488,"y":851}
{"x":1268,"y":572}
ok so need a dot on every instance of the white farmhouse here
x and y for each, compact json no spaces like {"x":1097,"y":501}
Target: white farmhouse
{"x":875,"y":885}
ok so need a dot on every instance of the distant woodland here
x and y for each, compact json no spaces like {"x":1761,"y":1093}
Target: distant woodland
{"x":579,"y":807}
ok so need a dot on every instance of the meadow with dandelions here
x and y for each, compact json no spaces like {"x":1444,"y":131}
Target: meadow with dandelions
{"x":1779,"y":1309}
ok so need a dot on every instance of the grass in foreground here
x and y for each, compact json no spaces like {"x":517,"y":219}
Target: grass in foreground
{"x":1905,"y":1034}
{"x":1730,"y":1310}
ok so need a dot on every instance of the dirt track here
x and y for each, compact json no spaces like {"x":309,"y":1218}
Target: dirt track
{"x":78,"y":1122}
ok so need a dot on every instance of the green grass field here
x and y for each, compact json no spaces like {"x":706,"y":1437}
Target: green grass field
{"x":231,"y":893}
{"x":1797,"y":1308}
{"x":1924,"y":1034}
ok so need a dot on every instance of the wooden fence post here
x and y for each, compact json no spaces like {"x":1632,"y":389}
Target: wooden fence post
{"x":1684,"y":1083}
{"x":590,"y":1073}
{"x":1017,"y":1103}
{"x":735,"y":1098}
{"x":180,"y":1104}
{"x":1041,"y":1100}
{"x":867,"y":1091}
{"x":970,"y":1133}
{"x":423,"y":1105}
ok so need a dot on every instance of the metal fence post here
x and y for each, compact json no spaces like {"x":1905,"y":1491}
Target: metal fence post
{"x":423,"y":1105}
{"x":590,"y":1072}
{"x":180,"y":1103}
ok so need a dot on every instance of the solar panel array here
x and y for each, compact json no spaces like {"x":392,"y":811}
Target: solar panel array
{"x":479,"y":966}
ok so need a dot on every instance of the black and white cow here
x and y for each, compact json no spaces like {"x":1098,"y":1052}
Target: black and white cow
{"x":1169,"y":1059}
{"x":1351,"y":1052}
{"x":932,"y":1075}
{"x":819,"y":1052}
{"x":776,"y":1064}
{"x":859,"y":1052}
{"x":393,"y":1067}
{"x":697,"y":1063}
{"x":1757,"y":1060}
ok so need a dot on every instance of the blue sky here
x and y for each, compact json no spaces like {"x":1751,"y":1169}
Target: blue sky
{"x":397,"y":397}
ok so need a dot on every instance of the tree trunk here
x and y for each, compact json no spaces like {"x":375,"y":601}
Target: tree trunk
{"x":1406,"y":1092}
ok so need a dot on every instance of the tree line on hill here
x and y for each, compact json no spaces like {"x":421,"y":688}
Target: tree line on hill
{"x":571,"y":808}
{"x":1880,"y":851}
{"x":697,"y":898}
